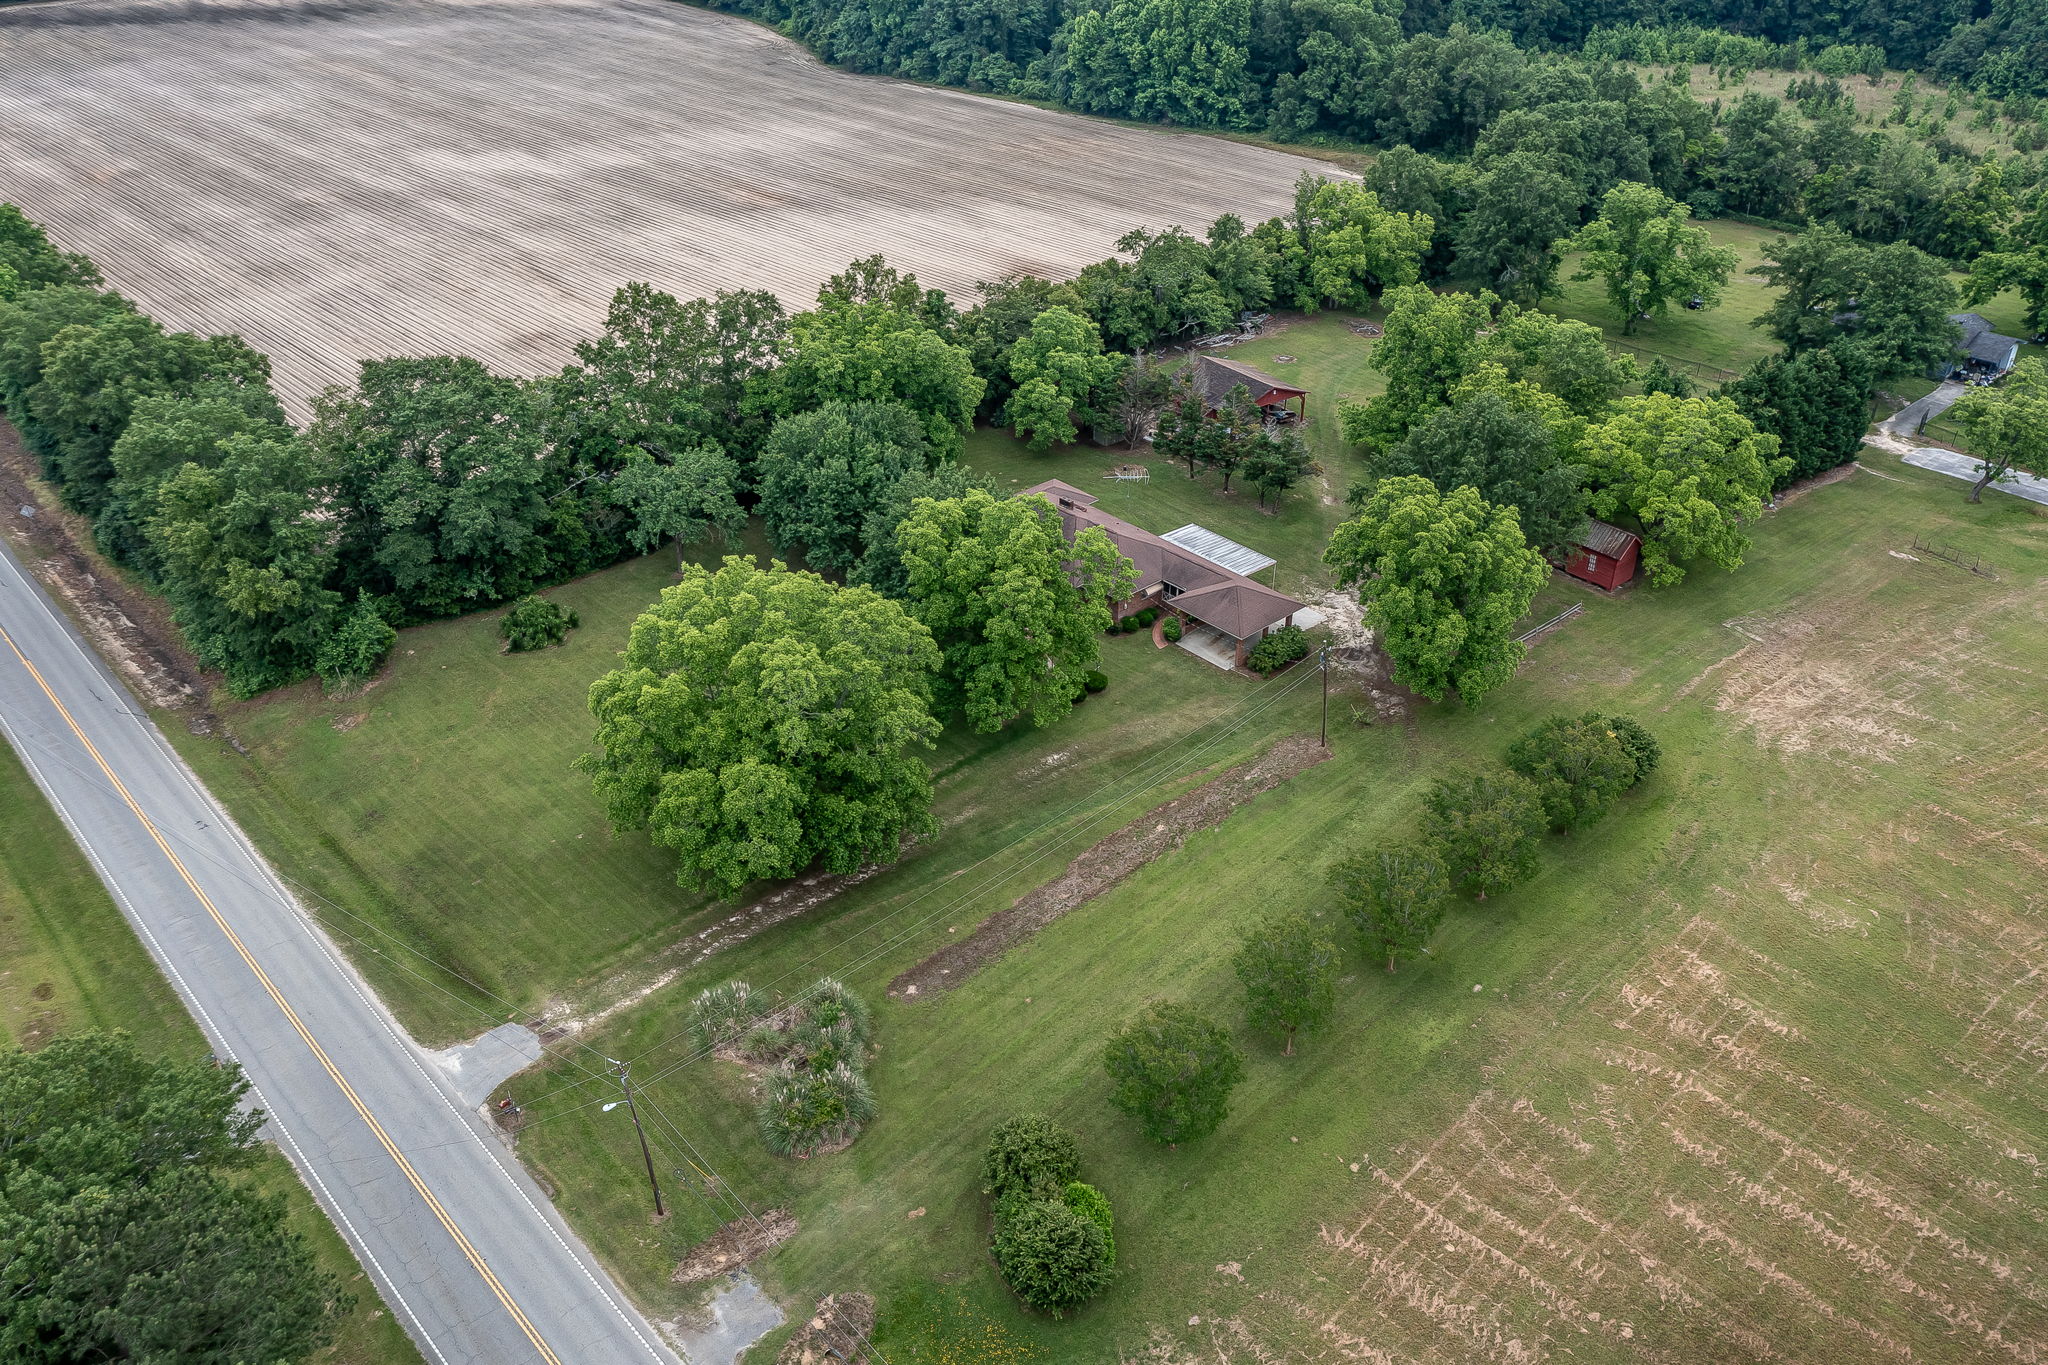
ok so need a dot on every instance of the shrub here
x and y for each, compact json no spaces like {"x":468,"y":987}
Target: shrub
{"x":1173,"y":1071}
{"x":1641,"y":745}
{"x":1091,"y":1204}
{"x":1170,"y":628}
{"x":801,"y":1111}
{"x":1579,"y":766}
{"x":351,"y":652}
{"x":1279,"y":649}
{"x":829,"y":1005}
{"x":722,"y":1013}
{"x":1029,"y":1155}
{"x":536,"y":623}
{"x":1147,"y":617}
{"x":1054,"y":1257}
{"x":1094,"y":680}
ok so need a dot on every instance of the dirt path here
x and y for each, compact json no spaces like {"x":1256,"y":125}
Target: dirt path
{"x":130,"y":628}
{"x":1107,"y":863}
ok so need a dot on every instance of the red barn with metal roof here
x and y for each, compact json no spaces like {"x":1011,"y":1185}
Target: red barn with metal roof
{"x":1603,"y":555}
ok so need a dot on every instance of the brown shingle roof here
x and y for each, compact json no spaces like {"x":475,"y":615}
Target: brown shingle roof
{"x":1208,"y":592}
{"x":1214,"y":378}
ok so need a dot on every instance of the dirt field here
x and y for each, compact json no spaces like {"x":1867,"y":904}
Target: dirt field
{"x":336,"y":181}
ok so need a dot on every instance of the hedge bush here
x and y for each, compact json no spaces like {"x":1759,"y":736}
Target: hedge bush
{"x":1171,"y":629}
{"x":536,"y":623}
{"x":1094,"y":680}
{"x":1093,"y":1205}
{"x":1054,"y":1257}
{"x":1641,"y":745}
{"x":1279,"y":649}
{"x":1029,"y":1155}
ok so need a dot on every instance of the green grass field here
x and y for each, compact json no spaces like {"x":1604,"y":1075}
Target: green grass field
{"x":1735,"y":1057}
{"x":73,"y":964}
{"x":1741,"y":1048}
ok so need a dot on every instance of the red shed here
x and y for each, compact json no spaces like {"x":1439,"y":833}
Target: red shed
{"x":1214,"y":378}
{"x":1604,"y":555}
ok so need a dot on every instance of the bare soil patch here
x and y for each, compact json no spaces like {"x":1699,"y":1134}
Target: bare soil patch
{"x":130,"y":628}
{"x":838,"y":1331}
{"x":1107,"y":863}
{"x":225,"y":161}
{"x":734,"y":1245}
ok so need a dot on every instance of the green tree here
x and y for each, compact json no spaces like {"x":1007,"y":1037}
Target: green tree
{"x":1430,"y":342}
{"x":2023,"y":269}
{"x":1158,"y":61}
{"x":1564,"y":357}
{"x":2006,"y":426}
{"x":27,"y":323}
{"x":667,"y":375}
{"x":162,"y":436}
{"x":1172,"y":1070}
{"x":1486,"y":826}
{"x":1649,"y":252}
{"x":820,"y":473}
{"x":27,"y":254}
{"x":1017,"y":612}
{"x":1816,"y":402}
{"x":1059,"y":372}
{"x":881,"y":564}
{"x":1762,"y":159}
{"x":1522,"y":207}
{"x":1507,"y":452}
{"x":1278,"y":461}
{"x":1580,"y":766}
{"x":1690,"y":471}
{"x":246,"y":560}
{"x":1395,"y":898}
{"x":687,"y":497}
{"x":93,"y":376}
{"x":1002,"y":318}
{"x":1181,"y":433}
{"x":129,"y":1231}
{"x":877,"y":343}
{"x":761,"y":721}
{"x":1355,"y":247}
{"x":436,"y":472}
{"x":1893,"y":301}
{"x":1443,"y":577}
{"x":1288,"y":968}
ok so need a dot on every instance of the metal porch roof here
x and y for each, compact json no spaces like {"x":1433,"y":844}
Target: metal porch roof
{"x":1219,"y":550}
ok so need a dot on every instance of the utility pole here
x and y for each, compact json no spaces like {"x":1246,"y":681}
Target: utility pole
{"x":626,"y":1085}
{"x":1325,"y":661}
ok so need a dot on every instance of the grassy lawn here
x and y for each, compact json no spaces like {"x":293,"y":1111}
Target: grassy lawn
{"x":1708,"y":1082}
{"x":72,"y":964}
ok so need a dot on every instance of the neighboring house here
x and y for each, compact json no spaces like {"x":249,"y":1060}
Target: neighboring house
{"x":1603,"y":555}
{"x":1213,"y":379}
{"x":1980,"y":352}
{"x":1179,"y":579}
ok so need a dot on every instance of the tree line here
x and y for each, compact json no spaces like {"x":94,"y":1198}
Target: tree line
{"x":1483,"y":77}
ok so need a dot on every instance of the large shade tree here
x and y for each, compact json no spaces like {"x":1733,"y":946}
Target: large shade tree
{"x":128,"y":1230}
{"x":762,"y":721}
{"x":1689,"y":471}
{"x":1016,"y":610}
{"x":1647,"y":251}
{"x":1505,"y":450}
{"x":1443,"y":578}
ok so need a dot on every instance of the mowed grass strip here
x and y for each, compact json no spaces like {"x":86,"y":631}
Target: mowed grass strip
{"x":1888,"y":698}
{"x":72,"y":964}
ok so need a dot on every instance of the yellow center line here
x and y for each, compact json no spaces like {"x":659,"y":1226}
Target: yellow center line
{"x":298,"y":1025}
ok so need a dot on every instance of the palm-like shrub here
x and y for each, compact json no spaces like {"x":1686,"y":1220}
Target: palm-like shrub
{"x":802,"y":1111}
{"x":536,"y":623}
{"x":830,"y":1005}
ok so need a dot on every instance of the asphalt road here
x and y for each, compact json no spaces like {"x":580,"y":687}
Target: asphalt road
{"x":465,"y":1248}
